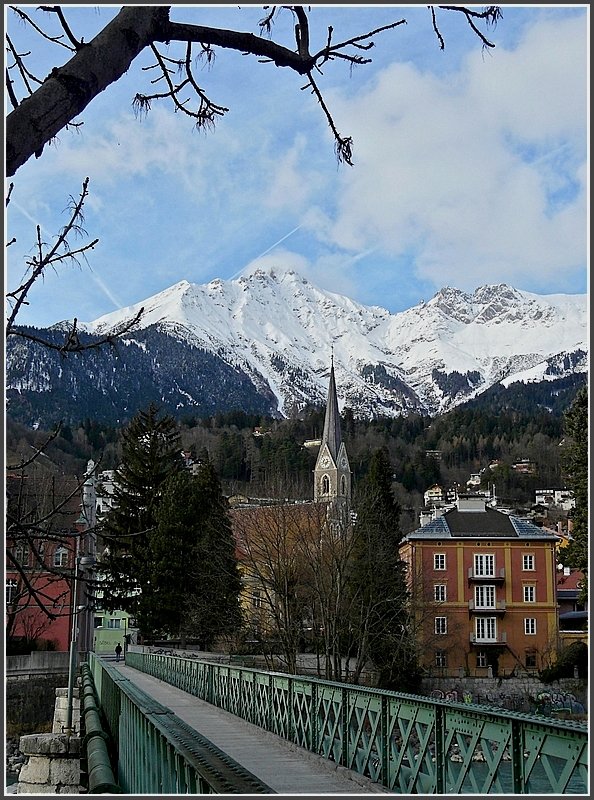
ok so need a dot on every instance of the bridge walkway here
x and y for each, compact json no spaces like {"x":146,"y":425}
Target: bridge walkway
{"x":282,"y":765}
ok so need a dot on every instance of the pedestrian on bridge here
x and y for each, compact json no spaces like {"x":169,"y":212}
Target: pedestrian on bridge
{"x":118,"y":651}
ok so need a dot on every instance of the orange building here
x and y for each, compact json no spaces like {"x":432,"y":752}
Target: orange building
{"x":483,"y":591}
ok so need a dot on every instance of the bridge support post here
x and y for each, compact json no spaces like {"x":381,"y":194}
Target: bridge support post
{"x":344,"y":760}
{"x":313,"y":719}
{"x":384,"y":746}
{"x":440,"y":761}
{"x":517,"y":754}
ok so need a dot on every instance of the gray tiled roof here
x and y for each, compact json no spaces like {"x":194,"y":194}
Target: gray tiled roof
{"x":470,"y":524}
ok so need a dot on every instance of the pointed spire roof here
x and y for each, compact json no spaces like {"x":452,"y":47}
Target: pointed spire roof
{"x":331,"y":435}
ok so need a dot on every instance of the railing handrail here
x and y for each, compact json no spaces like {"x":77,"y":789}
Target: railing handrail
{"x":421,"y":699}
{"x":215,"y":771}
{"x":372,"y":731}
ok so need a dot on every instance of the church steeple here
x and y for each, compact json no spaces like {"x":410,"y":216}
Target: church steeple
{"x":332,"y":474}
{"x":332,"y":435}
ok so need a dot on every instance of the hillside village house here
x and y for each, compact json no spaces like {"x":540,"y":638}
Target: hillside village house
{"x":433,"y":495}
{"x":483,"y":588}
{"x":556,"y":498}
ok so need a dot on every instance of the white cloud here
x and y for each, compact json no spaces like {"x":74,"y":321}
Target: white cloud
{"x":280,"y":260}
{"x":470,"y":176}
{"x":465,"y":170}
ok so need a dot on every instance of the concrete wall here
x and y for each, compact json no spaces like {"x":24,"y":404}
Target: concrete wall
{"x":567,"y":696}
{"x":41,"y":662}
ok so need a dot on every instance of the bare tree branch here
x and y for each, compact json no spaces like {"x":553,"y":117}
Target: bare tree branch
{"x":68,"y":89}
{"x":491,"y":15}
{"x":37,"y":453}
{"x":343,"y":146}
{"x":57,"y":10}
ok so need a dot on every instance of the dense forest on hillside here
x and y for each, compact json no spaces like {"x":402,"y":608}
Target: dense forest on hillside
{"x":265,"y":457}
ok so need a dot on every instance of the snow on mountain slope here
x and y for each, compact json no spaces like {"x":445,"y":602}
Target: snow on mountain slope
{"x":282,"y":330}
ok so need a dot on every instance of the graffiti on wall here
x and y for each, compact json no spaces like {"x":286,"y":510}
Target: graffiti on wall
{"x":545,"y":703}
{"x":549,"y":703}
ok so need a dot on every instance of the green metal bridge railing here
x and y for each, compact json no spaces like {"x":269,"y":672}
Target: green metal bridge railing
{"x":407,"y":743}
{"x":99,"y":770}
{"x":158,"y":753}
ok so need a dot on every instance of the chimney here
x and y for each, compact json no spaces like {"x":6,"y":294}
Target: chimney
{"x":471,"y":502}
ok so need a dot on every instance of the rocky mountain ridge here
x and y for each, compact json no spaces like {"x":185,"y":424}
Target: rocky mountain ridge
{"x":264,"y":343}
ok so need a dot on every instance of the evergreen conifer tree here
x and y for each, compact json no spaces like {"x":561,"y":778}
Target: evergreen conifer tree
{"x":195,"y":578}
{"x":575,"y":463}
{"x":379,"y":615}
{"x":151,"y":452}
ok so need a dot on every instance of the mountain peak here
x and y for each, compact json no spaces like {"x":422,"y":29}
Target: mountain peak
{"x":273,"y":332}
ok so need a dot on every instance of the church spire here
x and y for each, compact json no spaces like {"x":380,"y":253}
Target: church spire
{"x":331,"y":435}
{"x":332,"y":474}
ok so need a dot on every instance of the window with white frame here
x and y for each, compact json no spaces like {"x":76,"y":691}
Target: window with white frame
{"x":441,"y":625}
{"x":529,"y":594}
{"x":484,"y":596}
{"x":256,"y":599}
{"x":441,"y":659}
{"x":528,"y":562}
{"x":11,"y":590}
{"x":440,"y":592}
{"x":484,"y":565}
{"x":486,"y":628}
{"x":114,"y":623}
{"x":481,"y":659}
{"x":530,"y":626}
{"x":61,"y":557}
{"x":439,"y":561}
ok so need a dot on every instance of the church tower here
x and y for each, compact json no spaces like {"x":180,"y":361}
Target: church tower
{"x":332,"y":473}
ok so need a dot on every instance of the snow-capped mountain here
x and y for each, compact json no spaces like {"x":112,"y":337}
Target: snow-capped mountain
{"x":282,"y":331}
{"x":276,"y":332}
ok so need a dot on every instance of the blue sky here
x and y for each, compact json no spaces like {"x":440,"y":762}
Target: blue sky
{"x":470,"y":166}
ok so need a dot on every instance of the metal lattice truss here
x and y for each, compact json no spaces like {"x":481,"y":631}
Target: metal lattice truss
{"x":408,"y":744}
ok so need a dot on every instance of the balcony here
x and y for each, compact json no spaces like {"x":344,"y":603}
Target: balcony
{"x":498,"y":640}
{"x":497,"y":577}
{"x":498,"y":608}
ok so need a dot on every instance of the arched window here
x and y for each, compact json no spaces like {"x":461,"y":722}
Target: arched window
{"x":325,"y":485}
{"x":343,"y":485}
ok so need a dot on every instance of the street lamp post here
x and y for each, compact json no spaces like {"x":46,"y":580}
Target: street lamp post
{"x":82,"y":563}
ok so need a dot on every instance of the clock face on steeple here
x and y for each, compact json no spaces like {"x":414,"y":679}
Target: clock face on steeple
{"x":325,"y":461}
{"x":343,"y":462}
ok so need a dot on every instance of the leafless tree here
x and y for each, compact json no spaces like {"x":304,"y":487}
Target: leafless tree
{"x":271,"y":564}
{"x":35,"y":518}
{"x":295,"y":559}
{"x":42,"y":107}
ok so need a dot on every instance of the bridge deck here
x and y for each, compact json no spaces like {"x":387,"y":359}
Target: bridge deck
{"x":284,"y":766}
